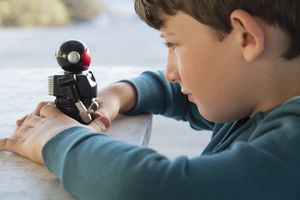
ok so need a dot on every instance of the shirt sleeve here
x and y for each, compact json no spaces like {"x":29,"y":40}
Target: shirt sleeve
{"x":156,"y":95}
{"x":94,"y":166}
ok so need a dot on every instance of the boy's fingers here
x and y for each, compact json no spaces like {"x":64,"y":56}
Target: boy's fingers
{"x":103,"y":118}
{"x":105,"y":121}
{"x":49,"y":110}
{"x":9,"y":144}
{"x":100,"y":122}
{"x":98,"y":126}
{"x":20,"y":132}
{"x":19,"y":122}
{"x":32,"y":121}
{"x":37,"y":110}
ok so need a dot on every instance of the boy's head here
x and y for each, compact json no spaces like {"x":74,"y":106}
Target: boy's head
{"x":216,"y":15}
{"x":233,"y":58}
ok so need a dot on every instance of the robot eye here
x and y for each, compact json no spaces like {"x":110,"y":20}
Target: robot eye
{"x":74,"y":57}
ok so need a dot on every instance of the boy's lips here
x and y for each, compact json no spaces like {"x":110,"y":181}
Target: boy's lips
{"x":185,"y":92}
{"x":188,"y":94}
{"x":190,"y":97}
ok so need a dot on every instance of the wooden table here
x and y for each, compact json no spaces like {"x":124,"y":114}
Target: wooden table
{"x":21,"y":89}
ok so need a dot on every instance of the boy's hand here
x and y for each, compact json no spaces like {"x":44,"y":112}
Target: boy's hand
{"x":114,"y":99}
{"x":37,"y":128}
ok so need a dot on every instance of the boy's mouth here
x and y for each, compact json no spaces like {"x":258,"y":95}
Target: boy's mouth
{"x":190,"y":97}
{"x":185,"y":92}
{"x":188,"y":94}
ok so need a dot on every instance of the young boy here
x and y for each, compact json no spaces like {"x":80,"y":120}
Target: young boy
{"x":233,"y":68}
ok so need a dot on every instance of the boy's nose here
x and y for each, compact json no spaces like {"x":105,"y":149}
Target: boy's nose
{"x":172,"y":74}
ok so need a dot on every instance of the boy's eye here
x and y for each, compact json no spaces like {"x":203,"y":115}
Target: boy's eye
{"x":171,"y":45}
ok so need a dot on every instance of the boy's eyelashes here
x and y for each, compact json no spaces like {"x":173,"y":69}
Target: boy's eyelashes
{"x":170,"y":45}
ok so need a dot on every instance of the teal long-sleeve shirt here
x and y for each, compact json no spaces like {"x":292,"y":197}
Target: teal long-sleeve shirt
{"x":252,"y":158}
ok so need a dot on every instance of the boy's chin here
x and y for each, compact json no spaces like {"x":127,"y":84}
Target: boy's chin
{"x":217,"y":116}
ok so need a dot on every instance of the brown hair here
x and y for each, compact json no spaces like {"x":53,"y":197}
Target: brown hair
{"x":216,"y":14}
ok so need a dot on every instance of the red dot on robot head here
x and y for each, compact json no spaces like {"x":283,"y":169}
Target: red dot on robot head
{"x":86,"y":58}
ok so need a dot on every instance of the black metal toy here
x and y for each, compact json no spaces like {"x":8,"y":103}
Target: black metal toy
{"x":76,"y":89}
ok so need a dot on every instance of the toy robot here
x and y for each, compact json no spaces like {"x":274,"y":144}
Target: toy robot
{"x":75,"y":90}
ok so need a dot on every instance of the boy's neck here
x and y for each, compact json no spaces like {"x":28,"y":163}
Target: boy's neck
{"x":278,"y":82}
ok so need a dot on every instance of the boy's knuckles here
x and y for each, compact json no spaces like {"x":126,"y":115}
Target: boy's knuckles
{"x":19,"y":122}
{"x":39,"y":107}
{"x":32,"y":121}
{"x":49,"y":110}
{"x":43,"y":103}
{"x":21,"y":131}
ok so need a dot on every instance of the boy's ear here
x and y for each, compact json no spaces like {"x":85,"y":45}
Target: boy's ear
{"x":249,"y":34}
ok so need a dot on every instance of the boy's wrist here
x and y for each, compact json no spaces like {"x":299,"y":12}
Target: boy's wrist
{"x":128,"y":97}
{"x":120,"y":96}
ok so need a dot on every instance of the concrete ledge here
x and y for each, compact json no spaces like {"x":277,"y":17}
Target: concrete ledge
{"x":21,"y":90}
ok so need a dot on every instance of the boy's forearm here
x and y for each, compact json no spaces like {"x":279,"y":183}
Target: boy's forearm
{"x":121,"y":94}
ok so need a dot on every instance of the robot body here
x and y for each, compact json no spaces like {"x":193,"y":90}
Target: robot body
{"x":75,"y":90}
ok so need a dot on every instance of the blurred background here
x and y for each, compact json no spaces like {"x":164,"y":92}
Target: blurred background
{"x":32,"y":30}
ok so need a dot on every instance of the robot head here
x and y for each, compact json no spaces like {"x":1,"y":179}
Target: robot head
{"x":73,"y":56}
